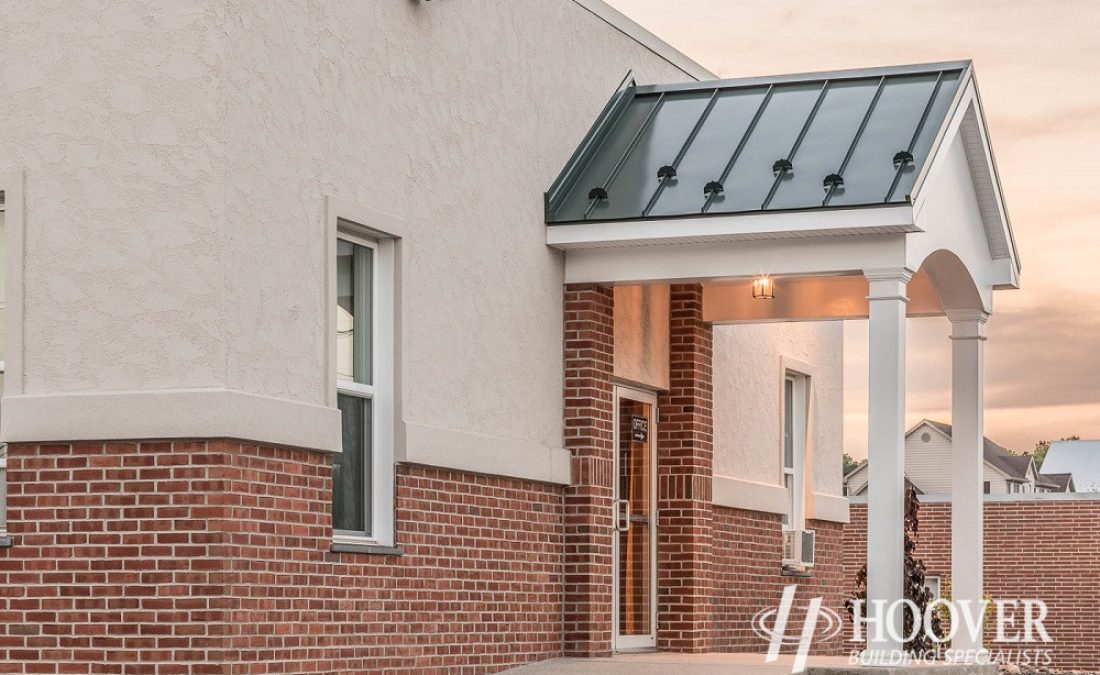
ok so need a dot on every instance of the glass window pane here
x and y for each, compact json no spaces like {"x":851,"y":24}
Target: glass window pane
{"x":351,"y":468}
{"x":354,"y":280}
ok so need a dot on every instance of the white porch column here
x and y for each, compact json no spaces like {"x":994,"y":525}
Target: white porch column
{"x":967,"y":442}
{"x":886,"y":452}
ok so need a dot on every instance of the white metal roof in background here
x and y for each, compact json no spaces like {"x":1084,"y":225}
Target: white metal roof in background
{"x":1080,"y":458}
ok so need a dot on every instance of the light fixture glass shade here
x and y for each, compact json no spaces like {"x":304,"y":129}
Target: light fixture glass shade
{"x":763,"y":288}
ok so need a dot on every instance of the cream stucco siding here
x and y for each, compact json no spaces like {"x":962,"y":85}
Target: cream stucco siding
{"x":176,"y":161}
{"x":748,"y":376}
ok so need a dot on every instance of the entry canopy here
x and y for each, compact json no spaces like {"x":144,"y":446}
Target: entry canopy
{"x":833,"y":140}
{"x":899,"y":150}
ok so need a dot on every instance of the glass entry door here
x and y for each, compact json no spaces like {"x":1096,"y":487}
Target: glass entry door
{"x":635,"y":597}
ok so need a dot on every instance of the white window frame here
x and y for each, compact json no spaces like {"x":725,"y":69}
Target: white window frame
{"x":796,"y":518}
{"x":3,"y":369}
{"x":382,"y":391}
{"x":938,"y":582}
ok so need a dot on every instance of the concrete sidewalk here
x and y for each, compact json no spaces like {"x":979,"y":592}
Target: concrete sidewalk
{"x":679,"y":664}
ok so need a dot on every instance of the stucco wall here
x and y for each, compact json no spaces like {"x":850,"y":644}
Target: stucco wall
{"x":748,"y":377}
{"x":115,"y":112}
{"x":176,"y":162}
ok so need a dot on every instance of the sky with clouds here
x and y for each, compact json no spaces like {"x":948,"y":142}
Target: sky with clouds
{"x":1038,"y":68}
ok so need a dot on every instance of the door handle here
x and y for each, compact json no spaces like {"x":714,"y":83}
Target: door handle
{"x":623,"y":516}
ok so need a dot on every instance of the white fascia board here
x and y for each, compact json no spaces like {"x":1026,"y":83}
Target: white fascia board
{"x":991,"y":161}
{"x":1006,"y":273}
{"x":717,"y":261}
{"x":634,"y":31}
{"x":732,"y":228}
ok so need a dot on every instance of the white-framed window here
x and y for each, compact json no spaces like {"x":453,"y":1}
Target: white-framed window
{"x":795,"y":426}
{"x":363,"y":475}
{"x":3,"y":333}
{"x":935,"y":586}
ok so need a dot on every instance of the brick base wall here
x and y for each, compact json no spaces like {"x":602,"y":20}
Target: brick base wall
{"x":748,"y":548}
{"x":1047,"y":550}
{"x":214,"y":558}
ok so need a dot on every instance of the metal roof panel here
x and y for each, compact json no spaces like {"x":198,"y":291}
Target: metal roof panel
{"x":838,"y":139}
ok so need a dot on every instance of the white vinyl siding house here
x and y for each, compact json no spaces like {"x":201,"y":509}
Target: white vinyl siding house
{"x":928,"y":465}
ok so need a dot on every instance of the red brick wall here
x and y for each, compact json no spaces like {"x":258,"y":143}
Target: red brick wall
{"x":181,"y":557}
{"x":1034,"y":549}
{"x":685,"y":467}
{"x":748,"y":548}
{"x":589,"y":402}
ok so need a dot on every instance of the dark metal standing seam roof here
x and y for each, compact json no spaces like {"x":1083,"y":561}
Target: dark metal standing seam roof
{"x":822,"y":140}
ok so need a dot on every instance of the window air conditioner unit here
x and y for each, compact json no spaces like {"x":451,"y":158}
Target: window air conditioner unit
{"x":799,"y":547}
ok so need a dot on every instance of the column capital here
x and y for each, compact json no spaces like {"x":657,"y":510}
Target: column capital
{"x":967,"y":324}
{"x":888,"y":283}
{"x":902,"y":274}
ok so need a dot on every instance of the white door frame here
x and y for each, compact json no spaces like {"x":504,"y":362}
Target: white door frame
{"x":622,"y":643}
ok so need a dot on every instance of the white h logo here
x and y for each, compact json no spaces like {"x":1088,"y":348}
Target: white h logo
{"x":776,"y":633}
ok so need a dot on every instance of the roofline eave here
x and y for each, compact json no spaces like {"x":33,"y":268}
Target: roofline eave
{"x":755,"y":226}
{"x":852,"y":74}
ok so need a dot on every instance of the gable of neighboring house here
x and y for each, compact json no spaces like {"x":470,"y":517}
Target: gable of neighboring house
{"x":1056,"y":482}
{"x":1080,"y":459}
{"x":928,"y":464}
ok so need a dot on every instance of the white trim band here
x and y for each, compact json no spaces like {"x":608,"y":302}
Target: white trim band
{"x":732,"y":228}
{"x":478,"y":453}
{"x":829,"y":507}
{"x":737,"y":493}
{"x":170,"y":414}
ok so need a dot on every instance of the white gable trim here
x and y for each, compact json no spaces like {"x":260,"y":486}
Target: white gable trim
{"x":925,"y":424}
{"x":967,"y":121}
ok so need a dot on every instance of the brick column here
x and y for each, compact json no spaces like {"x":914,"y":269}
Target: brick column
{"x":589,"y":347}
{"x":685,"y":469}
